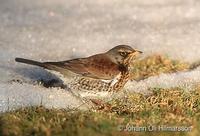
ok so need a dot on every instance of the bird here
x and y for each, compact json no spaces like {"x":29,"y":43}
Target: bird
{"x":94,"y":71}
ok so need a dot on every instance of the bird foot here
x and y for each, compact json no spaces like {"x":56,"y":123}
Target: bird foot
{"x":101,"y":105}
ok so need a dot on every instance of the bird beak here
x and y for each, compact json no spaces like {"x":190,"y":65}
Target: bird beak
{"x":136,"y":53}
{"x":132,"y":56}
{"x":140,"y":52}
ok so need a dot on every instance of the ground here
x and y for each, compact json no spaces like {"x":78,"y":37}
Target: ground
{"x":52,"y":30}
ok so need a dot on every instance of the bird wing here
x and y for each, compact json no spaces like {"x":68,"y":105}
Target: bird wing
{"x":97,"y":66}
{"x":75,"y":66}
{"x":101,"y":66}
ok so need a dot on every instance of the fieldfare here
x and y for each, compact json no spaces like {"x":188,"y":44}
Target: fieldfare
{"x":106,"y":72}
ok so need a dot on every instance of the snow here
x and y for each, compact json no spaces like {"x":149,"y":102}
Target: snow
{"x":60,"y":30}
{"x":186,"y":80}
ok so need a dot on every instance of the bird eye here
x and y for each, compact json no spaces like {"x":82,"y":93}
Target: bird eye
{"x":123,"y":54}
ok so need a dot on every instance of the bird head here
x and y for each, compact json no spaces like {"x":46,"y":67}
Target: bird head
{"x":122,"y":54}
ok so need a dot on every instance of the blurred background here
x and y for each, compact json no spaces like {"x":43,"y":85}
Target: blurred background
{"x":63,"y":29}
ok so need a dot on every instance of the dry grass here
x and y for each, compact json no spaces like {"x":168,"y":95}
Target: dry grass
{"x":167,"y":107}
{"x":155,"y":65}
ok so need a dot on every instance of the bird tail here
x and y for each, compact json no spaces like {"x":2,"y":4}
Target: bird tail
{"x":31,"y":62}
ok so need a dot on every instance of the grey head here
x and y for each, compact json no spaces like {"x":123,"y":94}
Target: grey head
{"x":119,"y":53}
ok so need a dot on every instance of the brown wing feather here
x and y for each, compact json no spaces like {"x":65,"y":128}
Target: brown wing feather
{"x":73,"y":65}
{"x":97,"y":66}
{"x":103,"y":67}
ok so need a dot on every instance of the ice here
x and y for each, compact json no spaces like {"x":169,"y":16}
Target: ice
{"x":59,"y":30}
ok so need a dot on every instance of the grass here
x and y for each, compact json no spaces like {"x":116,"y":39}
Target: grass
{"x":155,"y":65}
{"x":173,"y":107}
{"x":170,"y":107}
